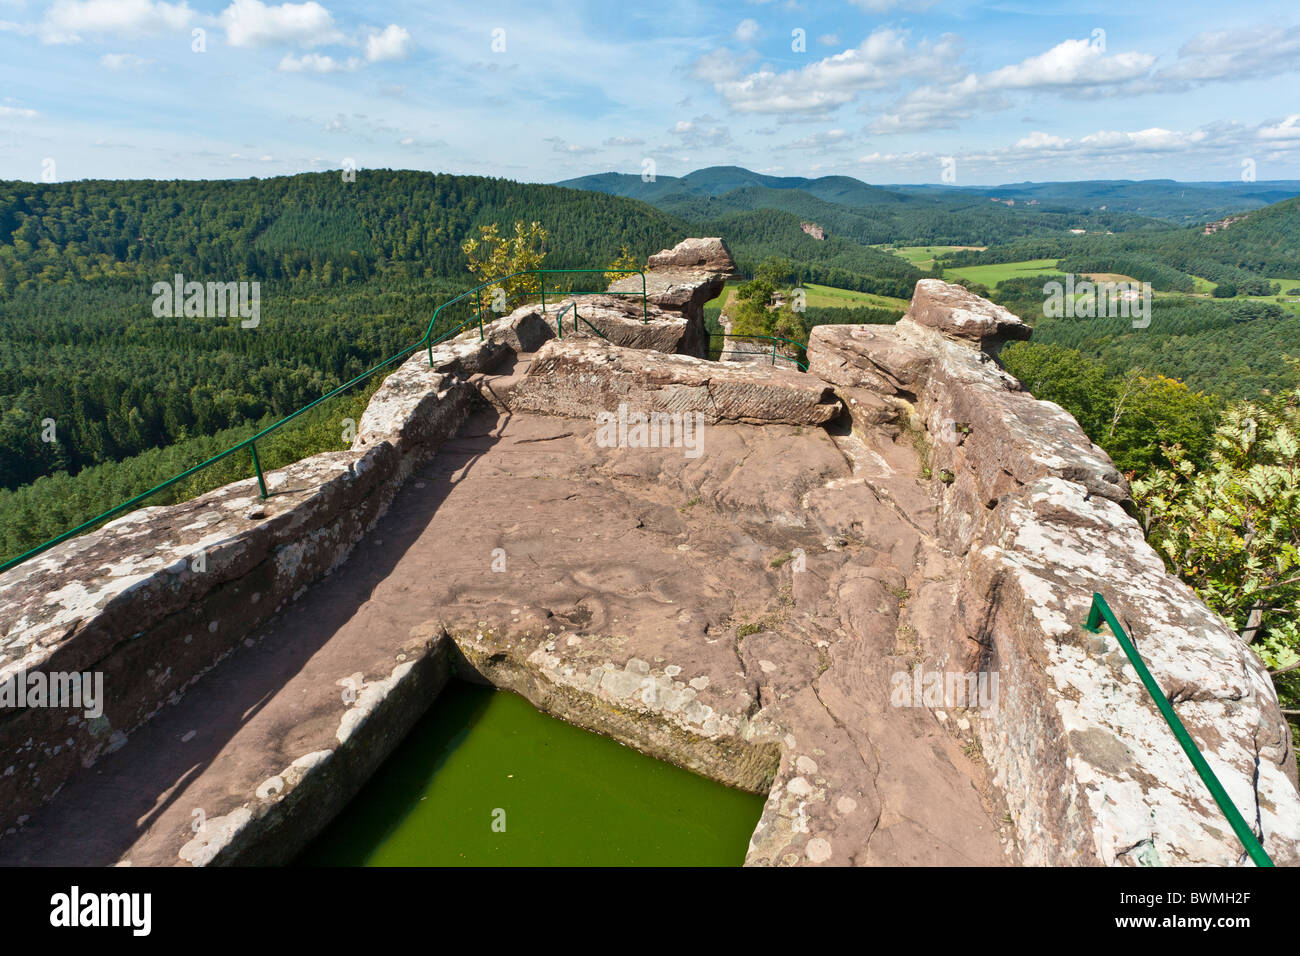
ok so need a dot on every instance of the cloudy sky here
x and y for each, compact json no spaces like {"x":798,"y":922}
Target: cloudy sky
{"x":884,"y":90}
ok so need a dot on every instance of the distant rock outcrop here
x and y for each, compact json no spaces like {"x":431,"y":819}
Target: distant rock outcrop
{"x":813,"y":230}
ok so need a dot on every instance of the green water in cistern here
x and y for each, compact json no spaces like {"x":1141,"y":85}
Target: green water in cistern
{"x":487,"y":780}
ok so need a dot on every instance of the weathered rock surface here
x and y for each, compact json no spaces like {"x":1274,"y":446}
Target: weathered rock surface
{"x":622,"y":321}
{"x":704,"y":255}
{"x":682,"y":279}
{"x":1091,"y":771}
{"x":960,"y":393}
{"x":677,"y":290}
{"x":963,"y":316}
{"x":751,"y":612}
{"x":630,"y":602}
{"x":585,"y":376}
{"x":1035,"y":513}
{"x":157,"y":597}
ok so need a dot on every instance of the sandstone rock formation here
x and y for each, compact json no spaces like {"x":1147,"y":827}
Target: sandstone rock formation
{"x":702,"y":255}
{"x":620,"y":320}
{"x":960,"y":314}
{"x":753,"y":612}
{"x":156,"y":598}
{"x":1036,"y":513}
{"x":683,"y":278}
{"x":578,"y":377}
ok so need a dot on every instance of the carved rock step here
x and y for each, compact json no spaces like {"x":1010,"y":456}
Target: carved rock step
{"x":579,"y":377}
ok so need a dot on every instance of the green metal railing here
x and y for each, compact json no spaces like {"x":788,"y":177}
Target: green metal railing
{"x":559,"y":322}
{"x":1101,"y":611}
{"x":541,"y":274}
{"x":250,"y":443}
{"x":776,"y":341}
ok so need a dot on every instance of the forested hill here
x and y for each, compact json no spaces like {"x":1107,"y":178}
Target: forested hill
{"x":350,"y":272}
{"x":1111,"y":204}
{"x":964,"y":221}
{"x":1247,"y":251}
{"x":313,"y":225}
{"x":856,"y":210}
{"x":1178,"y":203}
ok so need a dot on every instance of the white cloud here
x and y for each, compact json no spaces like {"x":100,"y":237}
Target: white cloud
{"x":1235,"y":55}
{"x":1286,"y":130}
{"x":67,"y":20}
{"x":878,"y":62}
{"x":819,"y":141}
{"x":253,"y":23}
{"x":1153,"y":140}
{"x":939,"y":107}
{"x":18,"y":112}
{"x":1080,"y":68}
{"x":392,"y":43}
{"x":317,"y":63}
{"x":123,"y":61}
{"x":569,"y":149}
{"x":701,"y":132}
{"x":1041,"y":140}
{"x":719,"y":66}
{"x":1074,"y":67}
{"x":747,"y":30}
{"x":1071,"y":63}
{"x":1214,"y":146}
{"x":884,"y":6}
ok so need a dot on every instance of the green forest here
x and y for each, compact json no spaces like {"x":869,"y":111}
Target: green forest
{"x":1255,"y":254}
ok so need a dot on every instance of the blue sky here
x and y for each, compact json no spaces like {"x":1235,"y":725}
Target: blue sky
{"x":884,"y":90}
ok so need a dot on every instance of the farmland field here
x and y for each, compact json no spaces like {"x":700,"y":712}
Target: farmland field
{"x":823,"y":297}
{"x":990,"y":276}
{"x":923,"y":256}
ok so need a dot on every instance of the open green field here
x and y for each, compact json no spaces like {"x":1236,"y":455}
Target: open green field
{"x":990,"y":276}
{"x":923,"y":256}
{"x":828,"y":297}
{"x":824,"y":297}
{"x":1289,"y":302}
{"x":1204,"y":287}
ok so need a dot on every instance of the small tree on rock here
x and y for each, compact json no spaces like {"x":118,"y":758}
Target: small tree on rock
{"x":492,"y":256}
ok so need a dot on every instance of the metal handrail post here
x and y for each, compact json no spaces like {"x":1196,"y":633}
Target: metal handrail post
{"x":1100,"y":611}
{"x":257,"y":466}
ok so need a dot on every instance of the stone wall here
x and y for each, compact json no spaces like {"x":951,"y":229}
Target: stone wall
{"x":579,"y":377}
{"x":1039,"y":517}
{"x":154,"y":599}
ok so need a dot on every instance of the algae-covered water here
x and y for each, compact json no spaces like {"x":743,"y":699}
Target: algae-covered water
{"x":486,"y":780}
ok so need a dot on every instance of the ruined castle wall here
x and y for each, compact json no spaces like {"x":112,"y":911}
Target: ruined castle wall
{"x":1040,"y":520}
{"x":154,"y":599}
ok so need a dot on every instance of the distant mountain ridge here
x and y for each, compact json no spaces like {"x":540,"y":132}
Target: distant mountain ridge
{"x":1167,"y":200}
